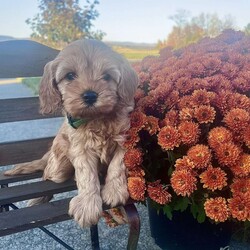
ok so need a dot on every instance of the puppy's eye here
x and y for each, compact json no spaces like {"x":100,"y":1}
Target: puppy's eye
{"x":71,"y":76}
{"x":106,"y":77}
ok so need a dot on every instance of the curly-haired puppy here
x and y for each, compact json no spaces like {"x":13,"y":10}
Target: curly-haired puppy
{"x":94,"y":87}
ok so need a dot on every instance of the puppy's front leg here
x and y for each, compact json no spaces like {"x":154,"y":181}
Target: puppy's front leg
{"x":115,"y":191}
{"x":86,"y":207}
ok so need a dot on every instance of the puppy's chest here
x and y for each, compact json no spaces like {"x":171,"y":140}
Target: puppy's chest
{"x":101,"y":140}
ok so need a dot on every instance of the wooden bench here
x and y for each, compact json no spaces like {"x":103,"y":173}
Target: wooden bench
{"x":23,"y":58}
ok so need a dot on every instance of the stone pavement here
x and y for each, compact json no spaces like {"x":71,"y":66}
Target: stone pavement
{"x":68,"y":231}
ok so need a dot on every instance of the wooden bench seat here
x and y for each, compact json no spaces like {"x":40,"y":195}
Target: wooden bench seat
{"x":23,"y":187}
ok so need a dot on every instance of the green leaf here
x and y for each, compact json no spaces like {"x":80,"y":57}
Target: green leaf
{"x":194,"y":210}
{"x":167,"y":210}
{"x":170,"y":170}
{"x":181,"y":204}
{"x":201,"y":216}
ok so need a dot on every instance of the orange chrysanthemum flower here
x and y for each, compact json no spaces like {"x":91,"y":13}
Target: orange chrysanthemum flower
{"x":242,"y":166}
{"x":204,"y":114}
{"x":133,"y":158}
{"x":137,"y":120}
{"x":200,"y":155}
{"x":240,"y":207}
{"x":183,"y":182}
{"x":186,"y":114}
{"x":185,"y":102}
{"x":136,"y":188}
{"x":184,"y":163}
{"x":158,"y":193}
{"x":132,"y":138}
{"x":214,"y":178}
{"x":227,"y":154}
{"x":237,"y":100}
{"x":171,"y":118}
{"x":201,"y":97}
{"x":136,"y":172}
{"x":216,"y":209}
{"x":219,"y":135}
{"x":152,"y":125}
{"x":237,"y":119}
{"x":189,"y":132}
{"x":246,"y":136}
{"x":169,"y":138}
{"x":240,"y":186}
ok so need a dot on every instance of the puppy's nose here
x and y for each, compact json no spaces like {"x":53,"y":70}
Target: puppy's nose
{"x":89,"y":97}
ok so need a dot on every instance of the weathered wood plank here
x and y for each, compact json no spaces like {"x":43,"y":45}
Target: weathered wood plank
{"x":21,"y":109}
{"x":23,"y":151}
{"x":34,"y":190}
{"x":24,"y":58}
{"x":31,"y":217}
{"x":16,"y":178}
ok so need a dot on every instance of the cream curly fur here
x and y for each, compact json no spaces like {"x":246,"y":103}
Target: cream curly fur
{"x":97,"y":145}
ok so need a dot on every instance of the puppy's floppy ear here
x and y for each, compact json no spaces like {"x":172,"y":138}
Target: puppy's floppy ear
{"x":127,"y":84}
{"x":49,"y":95}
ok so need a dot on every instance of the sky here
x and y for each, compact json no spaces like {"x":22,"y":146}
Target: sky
{"x":143,"y":21}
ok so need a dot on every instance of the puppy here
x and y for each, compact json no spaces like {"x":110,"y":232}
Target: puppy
{"x":94,"y":87}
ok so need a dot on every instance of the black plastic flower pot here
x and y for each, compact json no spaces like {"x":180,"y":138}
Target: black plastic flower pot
{"x":183,"y":232}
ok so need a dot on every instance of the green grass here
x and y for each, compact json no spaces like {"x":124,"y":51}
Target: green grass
{"x":32,"y":83}
{"x":135,"y":54}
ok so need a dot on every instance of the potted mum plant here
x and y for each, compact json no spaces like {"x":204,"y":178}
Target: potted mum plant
{"x":188,"y":145}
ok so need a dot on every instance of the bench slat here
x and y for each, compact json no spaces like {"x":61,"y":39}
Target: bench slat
{"x":24,"y":58}
{"x":21,"y":109}
{"x":34,"y":190}
{"x":16,"y":178}
{"x":23,"y":151}
{"x":31,"y":217}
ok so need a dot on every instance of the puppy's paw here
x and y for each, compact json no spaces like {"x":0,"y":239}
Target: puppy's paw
{"x":40,"y":200}
{"x":85,"y":210}
{"x":23,"y":168}
{"x":115,"y":192}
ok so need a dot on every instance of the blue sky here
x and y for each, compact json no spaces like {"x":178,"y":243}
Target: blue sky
{"x":127,"y":20}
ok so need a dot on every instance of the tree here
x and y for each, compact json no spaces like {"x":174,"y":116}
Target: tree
{"x":247,"y":29}
{"x":63,"y":21}
{"x":189,"y":30}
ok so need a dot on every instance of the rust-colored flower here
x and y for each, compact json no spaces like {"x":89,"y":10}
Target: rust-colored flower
{"x":240,"y":207}
{"x":137,"y":120}
{"x":237,"y":119}
{"x":183,"y":182}
{"x":237,"y":100}
{"x":216,"y":209}
{"x":132,"y":138}
{"x":158,"y":193}
{"x":171,"y":118}
{"x":184,"y":85}
{"x":189,"y":132}
{"x":136,"y":188}
{"x":169,"y":138}
{"x":240,"y":186}
{"x":133,"y":158}
{"x":184,"y":163}
{"x":246,"y":136}
{"x":186,"y":114}
{"x":201,"y":97}
{"x":200,"y":155}
{"x":186,"y":102}
{"x":227,"y":154}
{"x":219,"y":135}
{"x":214,"y":178}
{"x":136,"y":172}
{"x":242,"y":166}
{"x":152,"y":125}
{"x":204,"y":113}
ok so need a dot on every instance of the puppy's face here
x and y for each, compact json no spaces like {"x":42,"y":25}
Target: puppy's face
{"x":87,"y":79}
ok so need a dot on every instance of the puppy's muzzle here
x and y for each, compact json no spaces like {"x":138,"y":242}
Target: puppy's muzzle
{"x":89,"y":97}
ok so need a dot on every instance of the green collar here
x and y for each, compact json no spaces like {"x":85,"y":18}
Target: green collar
{"x":76,"y":123}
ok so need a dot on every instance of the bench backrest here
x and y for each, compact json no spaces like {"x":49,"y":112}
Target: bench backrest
{"x":22,"y":58}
